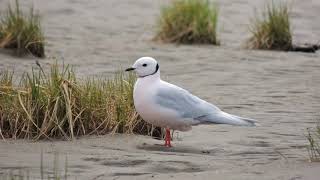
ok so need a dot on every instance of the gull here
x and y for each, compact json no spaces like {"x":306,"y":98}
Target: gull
{"x":171,"y":107}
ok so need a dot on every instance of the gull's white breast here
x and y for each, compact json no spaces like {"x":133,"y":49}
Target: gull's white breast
{"x":145,"y":103}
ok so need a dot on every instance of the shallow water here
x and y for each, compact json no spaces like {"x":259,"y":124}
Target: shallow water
{"x":279,"y":89}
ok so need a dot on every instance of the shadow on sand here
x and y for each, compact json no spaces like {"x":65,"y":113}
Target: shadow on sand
{"x":178,"y":150}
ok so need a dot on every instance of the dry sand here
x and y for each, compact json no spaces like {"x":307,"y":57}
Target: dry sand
{"x":279,"y":89}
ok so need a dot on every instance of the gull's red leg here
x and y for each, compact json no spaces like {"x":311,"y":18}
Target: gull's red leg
{"x":167,"y":138}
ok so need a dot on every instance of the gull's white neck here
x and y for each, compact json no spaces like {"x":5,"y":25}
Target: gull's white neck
{"x":150,"y":79}
{"x":144,"y":89}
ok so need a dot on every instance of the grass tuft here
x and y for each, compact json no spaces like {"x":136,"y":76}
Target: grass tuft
{"x":21,"y":32}
{"x":272,"y":30}
{"x":57,"y":104}
{"x":313,"y":137}
{"x":188,"y":21}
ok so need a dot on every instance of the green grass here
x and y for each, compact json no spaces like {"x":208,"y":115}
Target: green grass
{"x":21,"y":32}
{"x":313,"y":137}
{"x":272,"y":30}
{"x":56,"y":104}
{"x":188,"y":21}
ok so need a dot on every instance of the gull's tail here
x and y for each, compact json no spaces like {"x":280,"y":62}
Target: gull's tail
{"x":248,"y":121}
{"x":225,"y":118}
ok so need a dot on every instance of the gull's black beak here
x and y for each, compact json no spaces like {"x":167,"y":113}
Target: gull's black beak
{"x":130,"y":69}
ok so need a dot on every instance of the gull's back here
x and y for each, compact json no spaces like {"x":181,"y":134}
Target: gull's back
{"x":189,"y":106}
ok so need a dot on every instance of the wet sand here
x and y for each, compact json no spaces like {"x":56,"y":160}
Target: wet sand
{"x":279,"y":89}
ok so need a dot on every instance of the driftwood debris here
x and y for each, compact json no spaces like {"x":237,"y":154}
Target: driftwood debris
{"x":308,"y":48}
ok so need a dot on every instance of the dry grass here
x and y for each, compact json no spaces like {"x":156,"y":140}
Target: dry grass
{"x":188,"y":21}
{"x":56,"y":104}
{"x":314,"y":143}
{"x":21,"y":32}
{"x":272,"y":30}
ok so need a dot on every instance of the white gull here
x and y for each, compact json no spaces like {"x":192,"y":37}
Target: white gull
{"x":171,"y":107}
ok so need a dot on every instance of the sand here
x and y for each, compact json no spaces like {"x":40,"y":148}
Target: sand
{"x":279,"y":89}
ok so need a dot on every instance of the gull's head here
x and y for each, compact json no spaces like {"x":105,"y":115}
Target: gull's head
{"x":145,"y":66}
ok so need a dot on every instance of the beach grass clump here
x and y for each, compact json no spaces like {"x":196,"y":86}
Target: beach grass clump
{"x":272,"y":30}
{"x":21,"y":32}
{"x":188,"y":22}
{"x":313,"y":137}
{"x":56,"y":104}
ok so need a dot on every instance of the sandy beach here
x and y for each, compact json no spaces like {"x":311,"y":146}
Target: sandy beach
{"x":279,"y":89}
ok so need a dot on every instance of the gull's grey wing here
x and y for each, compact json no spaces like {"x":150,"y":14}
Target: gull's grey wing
{"x":190,"y":106}
{"x":186,"y":104}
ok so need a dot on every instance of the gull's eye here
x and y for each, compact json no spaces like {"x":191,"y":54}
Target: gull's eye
{"x":144,"y":65}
